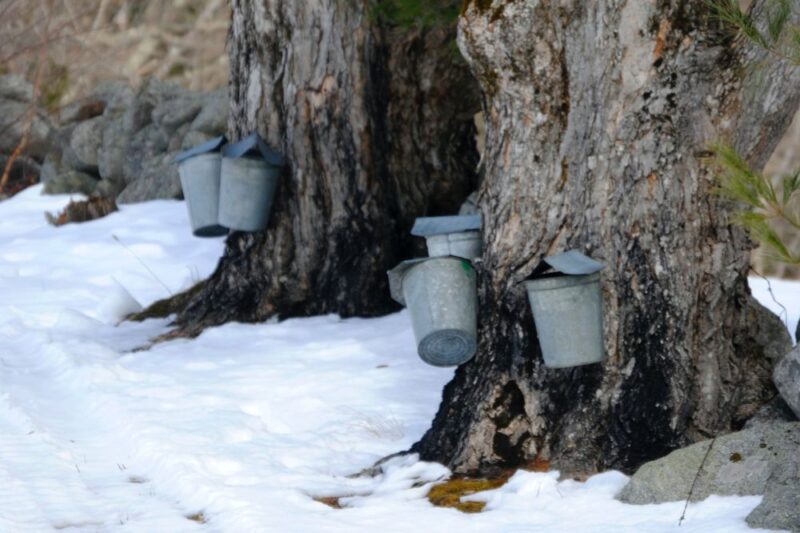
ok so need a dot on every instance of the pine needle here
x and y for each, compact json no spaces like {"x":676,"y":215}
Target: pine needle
{"x":728,"y":12}
{"x":762,"y":203}
{"x":778,"y":36}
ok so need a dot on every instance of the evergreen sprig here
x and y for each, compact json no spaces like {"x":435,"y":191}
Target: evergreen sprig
{"x":764,"y":204}
{"x":775,"y":34}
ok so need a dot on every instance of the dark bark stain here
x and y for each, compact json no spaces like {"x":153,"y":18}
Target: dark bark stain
{"x":641,"y":418}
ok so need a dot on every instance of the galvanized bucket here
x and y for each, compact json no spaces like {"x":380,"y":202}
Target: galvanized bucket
{"x":441,"y":296}
{"x":200,"y":182}
{"x":250,"y":172}
{"x":466,"y":244}
{"x":247,"y":189}
{"x":568,"y":311}
{"x":450,"y":235}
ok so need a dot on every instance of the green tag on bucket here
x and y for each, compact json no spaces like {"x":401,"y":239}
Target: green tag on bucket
{"x":466,"y":266}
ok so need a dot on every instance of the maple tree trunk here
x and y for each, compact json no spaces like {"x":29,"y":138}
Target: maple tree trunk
{"x":598,"y":120}
{"x":599,"y":116}
{"x":372,"y":144}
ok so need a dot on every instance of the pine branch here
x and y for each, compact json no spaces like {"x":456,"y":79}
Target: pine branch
{"x":762,"y":205}
{"x":774,"y":34}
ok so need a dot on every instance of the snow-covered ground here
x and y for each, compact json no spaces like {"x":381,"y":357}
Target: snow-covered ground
{"x":238,"y":429}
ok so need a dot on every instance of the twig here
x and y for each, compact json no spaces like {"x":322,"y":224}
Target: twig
{"x":784,"y":313}
{"x":142,"y":263}
{"x":30,"y":114}
{"x":694,"y":482}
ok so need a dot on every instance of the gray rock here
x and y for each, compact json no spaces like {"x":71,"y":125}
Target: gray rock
{"x":786,"y":377}
{"x":13,"y":87}
{"x":111,"y":91}
{"x":158,"y":179}
{"x":85,"y":142}
{"x":738,"y":464}
{"x":111,"y":157}
{"x":72,"y":181}
{"x":115,"y":95}
{"x":115,"y":137}
{"x":17,"y":112}
{"x":118,"y":101}
{"x":780,"y":508}
{"x":81,"y":110}
{"x":51,"y":167}
{"x":14,"y":117}
{"x":144,"y":152}
{"x":177,"y":137}
{"x":139,"y":113}
{"x":775,"y":411}
{"x":173,"y":113}
{"x":771,"y":332}
{"x":109,"y":188}
{"x":213,"y":118}
{"x":131,"y":146}
{"x":61,"y":155}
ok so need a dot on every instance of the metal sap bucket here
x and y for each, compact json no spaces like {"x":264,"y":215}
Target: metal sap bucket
{"x":568,"y":310}
{"x":250,"y":172}
{"x":442,"y":298}
{"x":199,"y":170}
{"x":459,"y":236}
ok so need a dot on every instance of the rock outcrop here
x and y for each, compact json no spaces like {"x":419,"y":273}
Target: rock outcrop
{"x":120,"y":143}
{"x":21,"y":119}
{"x":763,"y":459}
{"x":19,"y":115}
{"x":786,"y":377}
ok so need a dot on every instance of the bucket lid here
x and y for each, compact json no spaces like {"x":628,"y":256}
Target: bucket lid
{"x":254,"y":145}
{"x":572,"y":263}
{"x":428,"y":226}
{"x":213,"y":145}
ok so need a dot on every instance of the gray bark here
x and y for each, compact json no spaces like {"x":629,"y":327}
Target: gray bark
{"x":599,"y":116}
{"x":366,"y":116}
{"x":598,"y":119}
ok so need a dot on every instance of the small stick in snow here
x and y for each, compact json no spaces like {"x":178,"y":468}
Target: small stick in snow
{"x":785,"y":314}
{"x":694,"y":482}
{"x":143,"y":263}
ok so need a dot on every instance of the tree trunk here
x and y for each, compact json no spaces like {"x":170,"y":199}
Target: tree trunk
{"x":599,"y":116}
{"x":366,"y":115}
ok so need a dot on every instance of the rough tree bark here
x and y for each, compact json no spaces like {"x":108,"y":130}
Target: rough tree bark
{"x":599,"y":116}
{"x":366,"y":116}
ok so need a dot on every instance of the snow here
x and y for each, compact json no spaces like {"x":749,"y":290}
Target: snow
{"x":243,"y":425}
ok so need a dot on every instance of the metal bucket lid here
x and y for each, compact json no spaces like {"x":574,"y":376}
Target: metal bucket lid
{"x":428,"y":226}
{"x":559,"y":281}
{"x":570,"y":263}
{"x":254,"y":146}
{"x":213,"y":145}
